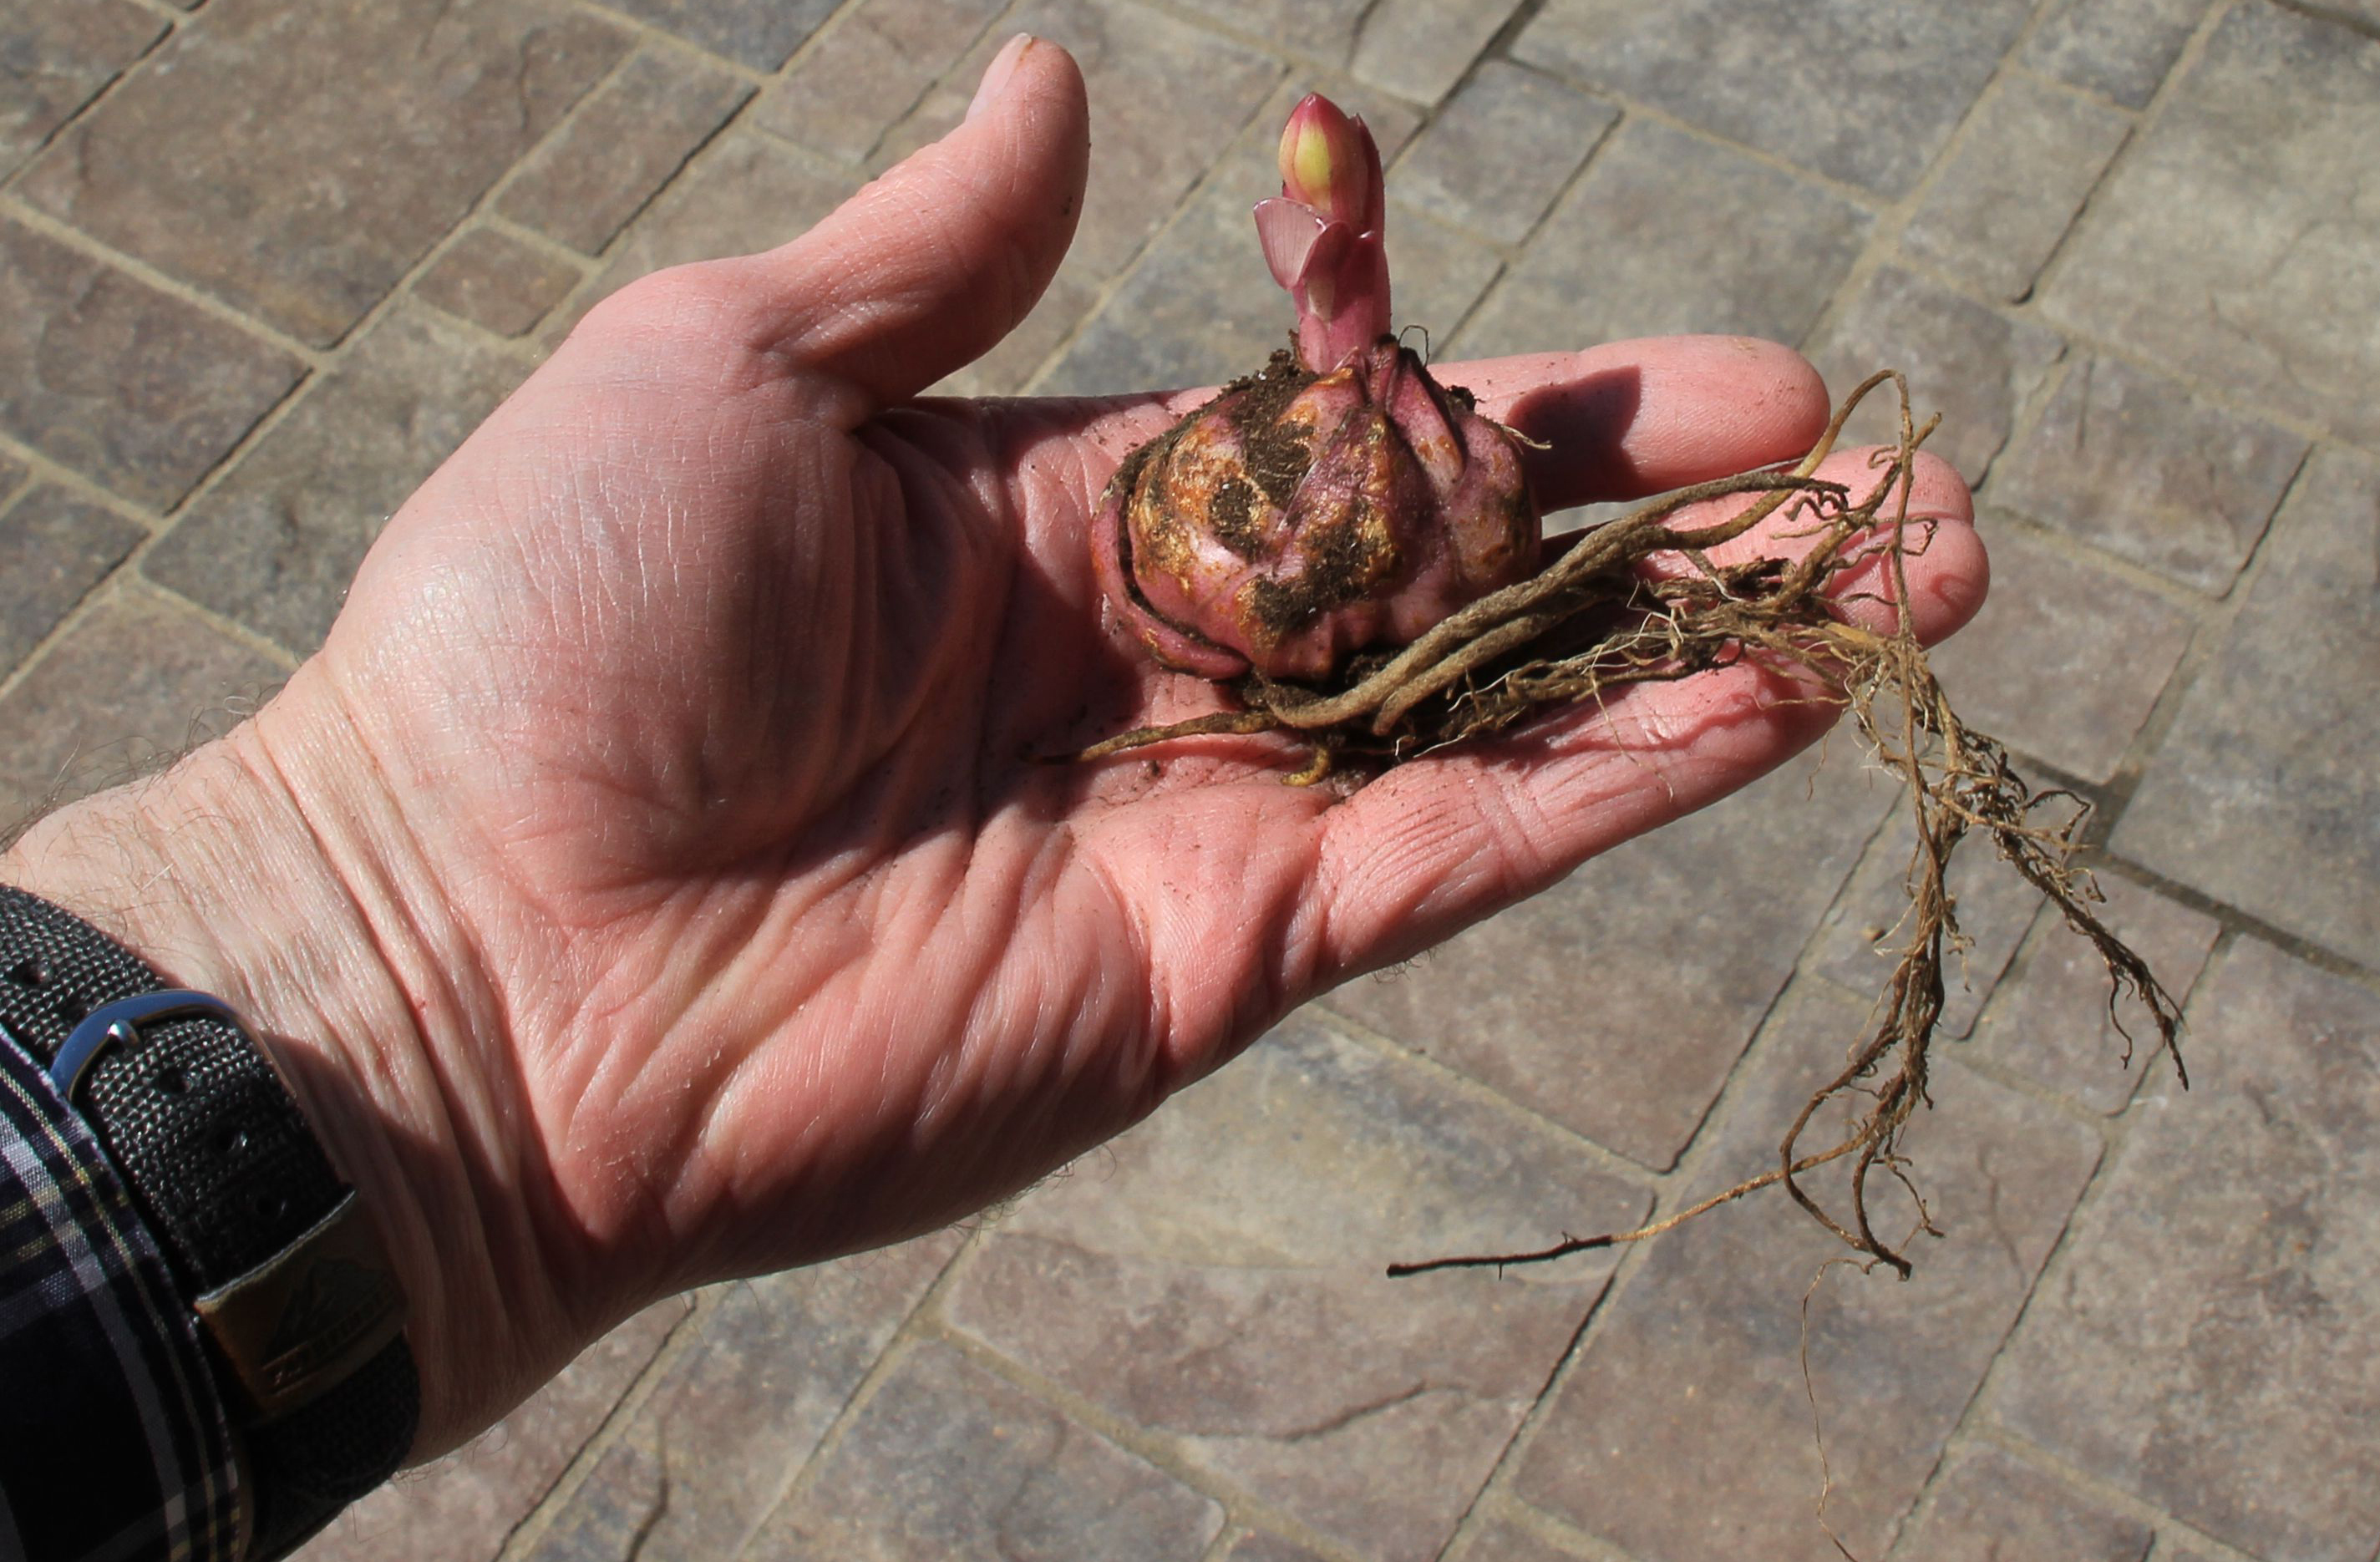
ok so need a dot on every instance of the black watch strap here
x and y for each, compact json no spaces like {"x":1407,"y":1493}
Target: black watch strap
{"x":295,"y":1299}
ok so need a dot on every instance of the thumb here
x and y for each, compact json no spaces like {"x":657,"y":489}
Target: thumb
{"x":926,"y":269}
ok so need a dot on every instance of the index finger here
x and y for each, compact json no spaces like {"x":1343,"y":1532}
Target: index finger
{"x":1630,"y":419}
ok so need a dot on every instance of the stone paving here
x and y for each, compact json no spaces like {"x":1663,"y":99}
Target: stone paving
{"x":264,"y":264}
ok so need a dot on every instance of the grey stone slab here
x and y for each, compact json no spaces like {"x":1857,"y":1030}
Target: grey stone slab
{"x":2204,"y":1343}
{"x":1618,"y":1001}
{"x":1987,"y":1507}
{"x":87,"y":715}
{"x":737,"y":1412}
{"x":1975,"y":365}
{"x":1767,"y":251}
{"x":131,"y":387}
{"x":1866,"y":928}
{"x":743,"y":194}
{"x":2067,"y":658}
{"x":55,"y":58}
{"x":12,"y":475}
{"x":2055,"y":1023}
{"x":949,"y":1463}
{"x":1501,"y":150}
{"x":869,"y":70}
{"x":1269,"y":1548}
{"x":2262,"y":795}
{"x":253,"y":158}
{"x":1440,"y":274}
{"x":1215,"y":1278}
{"x":632,"y":137}
{"x":1322,"y":31}
{"x":461,"y":1507}
{"x":2007,"y":191}
{"x":1500,"y":1540}
{"x":1862,"y":91}
{"x":2119,"y":48}
{"x":2235,"y":235}
{"x":2130,"y":460}
{"x":1419,"y":49}
{"x":496,"y":282}
{"x":274,"y":544}
{"x":1686,"y":1432}
{"x":761,"y":34}
{"x":54,"y":549}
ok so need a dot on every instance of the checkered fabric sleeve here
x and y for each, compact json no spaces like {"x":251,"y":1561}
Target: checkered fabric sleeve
{"x":113,"y":1441}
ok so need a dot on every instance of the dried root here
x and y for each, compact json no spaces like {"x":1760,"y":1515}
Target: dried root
{"x":1595,"y":621}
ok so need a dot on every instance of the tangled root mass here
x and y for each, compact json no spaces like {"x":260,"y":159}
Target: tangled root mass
{"x":1595,"y":621}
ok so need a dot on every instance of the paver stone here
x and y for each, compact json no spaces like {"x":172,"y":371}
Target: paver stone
{"x":946,"y":1460}
{"x":757,"y":34}
{"x":2129,"y":460}
{"x":2121,"y":48}
{"x":1866,"y":91}
{"x":1214,"y":1276}
{"x":2030,"y":155}
{"x":1685,"y":1434}
{"x":461,"y":1507}
{"x":1657,"y":236}
{"x":2261,"y":793}
{"x":55,"y":59}
{"x":277,"y":541}
{"x":54,"y":548}
{"x":86,"y":716}
{"x":1975,"y":365}
{"x":2203,"y":1343}
{"x":2067,"y":657}
{"x":1419,"y":49}
{"x":496,"y":282}
{"x":2233,"y":241}
{"x":1988,"y":1507}
{"x":628,"y":140}
{"x":735,"y":1414}
{"x":1501,"y":150}
{"x":868,"y":71}
{"x":252,"y":156}
{"x":131,"y":387}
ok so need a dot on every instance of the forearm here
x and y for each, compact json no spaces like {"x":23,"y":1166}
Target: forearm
{"x":250,"y":871}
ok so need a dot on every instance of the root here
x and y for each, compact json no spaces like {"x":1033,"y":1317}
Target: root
{"x":1596,"y":619}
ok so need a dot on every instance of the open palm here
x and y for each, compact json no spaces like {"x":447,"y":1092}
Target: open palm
{"x":700,"y":693}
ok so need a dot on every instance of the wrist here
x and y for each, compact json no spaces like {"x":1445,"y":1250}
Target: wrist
{"x":243,"y":872}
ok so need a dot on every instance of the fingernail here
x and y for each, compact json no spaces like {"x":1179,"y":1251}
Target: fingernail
{"x":996,"y":75}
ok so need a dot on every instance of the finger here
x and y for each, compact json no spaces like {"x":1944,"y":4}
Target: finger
{"x":1433,"y":846}
{"x":1946,"y":596}
{"x":927,"y":269}
{"x":1618,"y":421}
{"x":1631,"y":418}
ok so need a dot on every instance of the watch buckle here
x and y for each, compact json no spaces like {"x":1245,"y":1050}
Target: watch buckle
{"x":303,"y":1321}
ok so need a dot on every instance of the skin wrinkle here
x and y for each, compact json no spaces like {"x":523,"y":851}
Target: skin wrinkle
{"x":472,"y":1131}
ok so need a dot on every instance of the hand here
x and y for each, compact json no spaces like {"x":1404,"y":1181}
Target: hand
{"x":648,"y":882}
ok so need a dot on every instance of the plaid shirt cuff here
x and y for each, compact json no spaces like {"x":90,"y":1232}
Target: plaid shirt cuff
{"x":114,"y":1443}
